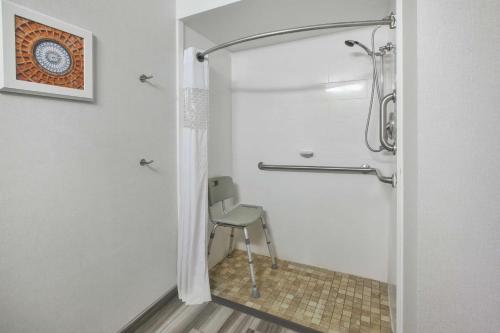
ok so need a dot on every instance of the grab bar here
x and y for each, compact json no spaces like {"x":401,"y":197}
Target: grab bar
{"x":364,"y":169}
{"x":383,"y":120}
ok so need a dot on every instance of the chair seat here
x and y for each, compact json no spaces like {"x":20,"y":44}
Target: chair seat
{"x":241,"y":215}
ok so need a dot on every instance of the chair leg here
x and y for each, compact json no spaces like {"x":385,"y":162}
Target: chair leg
{"x":269,"y":245}
{"x":212,"y":235}
{"x":255,"y":291}
{"x":231,"y":244}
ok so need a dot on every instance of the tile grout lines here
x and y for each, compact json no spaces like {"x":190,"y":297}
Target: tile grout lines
{"x":317,"y":298}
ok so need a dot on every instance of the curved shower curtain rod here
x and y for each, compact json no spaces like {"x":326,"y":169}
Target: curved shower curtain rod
{"x":389,"y":20}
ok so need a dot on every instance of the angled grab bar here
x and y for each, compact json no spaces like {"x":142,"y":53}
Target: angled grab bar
{"x":364,"y":169}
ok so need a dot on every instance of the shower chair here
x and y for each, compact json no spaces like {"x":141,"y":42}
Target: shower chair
{"x":241,"y":216}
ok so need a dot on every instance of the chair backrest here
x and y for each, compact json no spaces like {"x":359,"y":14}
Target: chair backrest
{"x":220,"y":189}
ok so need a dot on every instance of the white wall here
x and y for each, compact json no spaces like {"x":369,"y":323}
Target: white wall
{"x":334,"y":221}
{"x":395,"y":222}
{"x":87,"y":236}
{"x":186,"y":8}
{"x":458,"y":161}
{"x":248,"y":17}
{"x":220,"y":148}
{"x":407,"y":166}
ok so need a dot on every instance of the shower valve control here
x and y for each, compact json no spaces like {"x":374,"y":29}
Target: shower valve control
{"x":390,"y":127}
{"x":386,"y":48}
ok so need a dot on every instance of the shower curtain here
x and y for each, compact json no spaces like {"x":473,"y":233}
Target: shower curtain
{"x":192,"y":265}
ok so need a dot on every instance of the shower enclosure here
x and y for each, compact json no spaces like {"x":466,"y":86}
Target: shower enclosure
{"x":303,"y":118}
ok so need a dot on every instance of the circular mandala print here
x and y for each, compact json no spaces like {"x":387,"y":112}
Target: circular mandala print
{"x":53,"y":57}
{"x":48,"y":55}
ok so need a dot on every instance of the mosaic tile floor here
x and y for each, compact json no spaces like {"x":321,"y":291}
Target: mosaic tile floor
{"x":324,"y":300}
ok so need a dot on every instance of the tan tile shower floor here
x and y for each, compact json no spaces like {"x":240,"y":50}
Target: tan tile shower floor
{"x":324,"y":300}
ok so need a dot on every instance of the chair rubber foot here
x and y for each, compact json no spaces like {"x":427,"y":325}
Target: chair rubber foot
{"x":255,"y":292}
{"x":274,"y":266}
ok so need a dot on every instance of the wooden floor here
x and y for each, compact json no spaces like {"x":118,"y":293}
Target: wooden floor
{"x":177,"y":317}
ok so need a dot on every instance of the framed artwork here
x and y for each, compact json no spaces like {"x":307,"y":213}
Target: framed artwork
{"x":44,"y":56}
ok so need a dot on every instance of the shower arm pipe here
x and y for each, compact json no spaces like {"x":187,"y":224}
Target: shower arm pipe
{"x":389,"y":20}
{"x":364,"y":169}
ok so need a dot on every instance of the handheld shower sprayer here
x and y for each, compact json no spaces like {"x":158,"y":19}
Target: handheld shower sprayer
{"x":377,"y":78}
{"x":351,"y":43}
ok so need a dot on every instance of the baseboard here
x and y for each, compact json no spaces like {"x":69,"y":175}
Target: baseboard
{"x":149,"y":312}
{"x":263,"y":315}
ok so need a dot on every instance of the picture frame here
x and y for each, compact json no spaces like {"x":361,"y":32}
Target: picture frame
{"x":41,"y":55}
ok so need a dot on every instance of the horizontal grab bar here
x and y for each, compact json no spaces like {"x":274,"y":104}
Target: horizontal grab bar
{"x":364,"y":169}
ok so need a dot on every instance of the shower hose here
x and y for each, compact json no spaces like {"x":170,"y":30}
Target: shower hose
{"x":375,"y":85}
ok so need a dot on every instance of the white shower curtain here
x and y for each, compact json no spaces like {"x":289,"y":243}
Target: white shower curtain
{"x":192,"y":266}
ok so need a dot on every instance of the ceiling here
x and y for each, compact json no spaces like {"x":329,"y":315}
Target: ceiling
{"x":248,"y":17}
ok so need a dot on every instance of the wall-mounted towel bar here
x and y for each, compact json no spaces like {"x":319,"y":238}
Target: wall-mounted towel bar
{"x":364,"y":169}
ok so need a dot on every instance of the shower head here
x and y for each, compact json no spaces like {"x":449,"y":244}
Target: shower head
{"x":351,"y":43}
